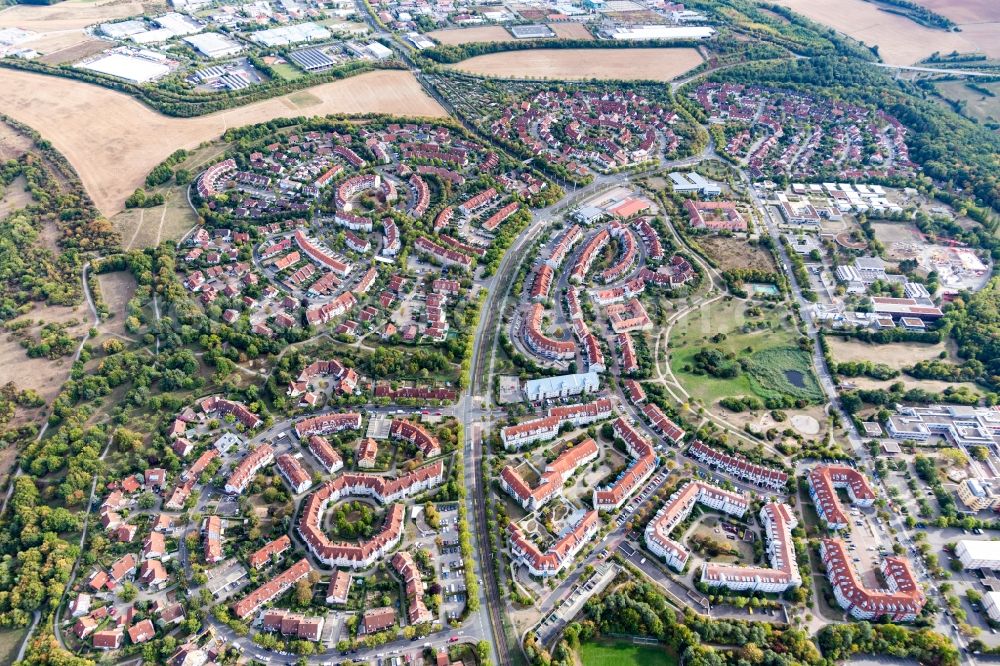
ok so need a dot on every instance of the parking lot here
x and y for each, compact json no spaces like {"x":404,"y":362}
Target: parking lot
{"x":225,"y":579}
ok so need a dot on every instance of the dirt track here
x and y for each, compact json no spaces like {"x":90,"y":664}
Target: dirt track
{"x":113,"y":141}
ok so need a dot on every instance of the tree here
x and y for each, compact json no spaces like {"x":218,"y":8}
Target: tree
{"x":303,"y":592}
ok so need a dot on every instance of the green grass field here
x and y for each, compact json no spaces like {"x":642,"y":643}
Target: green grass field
{"x":287,"y":71}
{"x":771,"y":346}
{"x":10,"y":642}
{"x":624,"y":654}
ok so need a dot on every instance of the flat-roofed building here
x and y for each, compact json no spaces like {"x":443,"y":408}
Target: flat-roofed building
{"x":563,"y":386}
{"x":978,"y":554}
{"x":978,"y":495}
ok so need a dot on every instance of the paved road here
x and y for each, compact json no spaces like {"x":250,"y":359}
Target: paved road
{"x":945,"y":624}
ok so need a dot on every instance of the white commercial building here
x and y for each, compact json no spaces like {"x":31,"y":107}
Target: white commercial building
{"x":128,"y":67}
{"x":214,"y":45}
{"x":991,"y":602}
{"x":978,"y":554}
{"x":635,"y":33}
{"x":291,"y":34}
{"x":562,"y":386}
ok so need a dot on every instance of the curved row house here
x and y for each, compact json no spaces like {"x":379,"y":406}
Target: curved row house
{"x":678,"y":508}
{"x":556,"y":474}
{"x":324,"y":424}
{"x":321,"y":254}
{"x":739,"y":467}
{"x":547,"y":427}
{"x":562,"y":552}
{"x":272,"y":589}
{"x":325,"y":454}
{"x":208,"y":182}
{"x":901,"y":601}
{"x":630,"y":252}
{"x":651,"y":239}
{"x":610,"y":498}
{"x":590,"y":251}
{"x":353,"y":186}
{"x":541,"y":344}
{"x":823,"y":483}
{"x":244,"y":472}
{"x":347,"y":378}
{"x":216,"y":405}
{"x":415,"y":434}
{"x":421,"y":196}
{"x":566,"y":241}
{"x":416,"y":610}
{"x":778,"y":521}
{"x":391,"y":243}
{"x":542,"y":283}
{"x":443,"y":218}
{"x":295,"y":474}
{"x":359,"y":556}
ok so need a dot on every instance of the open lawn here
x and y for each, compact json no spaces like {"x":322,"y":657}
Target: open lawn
{"x":573,"y":64}
{"x":113,"y":140}
{"x":10,"y":643}
{"x":771,"y":351}
{"x":900,"y":40}
{"x":624,"y":654}
{"x":977,"y":106}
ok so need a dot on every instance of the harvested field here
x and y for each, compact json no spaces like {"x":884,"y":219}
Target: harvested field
{"x":60,"y":26}
{"x":74,"y":52}
{"x":113,"y":140}
{"x":897,"y":355}
{"x":628,"y":64}
{"x":116,"y":291}
{"x":486,"y":33}
{"x":734,"y":253}
{"x":900,"y":40}
{"x":965,"y":11}
{"x":571,"y":30}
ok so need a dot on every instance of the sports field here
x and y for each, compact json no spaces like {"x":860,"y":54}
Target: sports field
{"x":624,"y":654}
{"x":653,"y":64}
{"x":113,"y":140}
